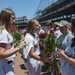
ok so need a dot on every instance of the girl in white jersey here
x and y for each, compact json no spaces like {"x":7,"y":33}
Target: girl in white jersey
{"x":32,"y":50}
{"x":7,"y":50}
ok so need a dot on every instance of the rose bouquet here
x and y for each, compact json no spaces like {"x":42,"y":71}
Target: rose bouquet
{"x":16,"y":35}
{"x":50,"y":47}
{"x":42,"y":35}
{"x":50,"y":44}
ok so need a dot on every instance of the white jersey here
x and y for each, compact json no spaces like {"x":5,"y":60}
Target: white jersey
{"x":7,"y":68}
{"x":33,"y":66}
{"x":7,"y":38}
{"x":31,"y":42}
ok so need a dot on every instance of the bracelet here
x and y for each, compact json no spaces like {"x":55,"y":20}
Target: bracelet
{"x":19,"y":47}
{"x":43,"y":59}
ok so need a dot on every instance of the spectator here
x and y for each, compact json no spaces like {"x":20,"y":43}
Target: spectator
{"x":49,"y":25}
{"x":40,"y":30}
{"x":57,"y":32}
{"x":66,"y":54}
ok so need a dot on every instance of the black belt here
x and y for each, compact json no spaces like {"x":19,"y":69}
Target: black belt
{"x":24,"y":58}
{"x":9,"y":62}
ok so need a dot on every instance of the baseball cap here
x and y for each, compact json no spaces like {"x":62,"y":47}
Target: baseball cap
{"x":61,"y":23}
{"x":56,"y":23}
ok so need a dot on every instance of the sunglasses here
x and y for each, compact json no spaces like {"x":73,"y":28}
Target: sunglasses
{"x":13,"y":18}
{"x":37,"y":25}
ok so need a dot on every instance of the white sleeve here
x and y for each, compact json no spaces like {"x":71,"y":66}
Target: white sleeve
{"x":3,"y":38}
{"x":30,"y":44}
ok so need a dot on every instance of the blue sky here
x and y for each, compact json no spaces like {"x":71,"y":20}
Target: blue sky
{"x":21,"y":7}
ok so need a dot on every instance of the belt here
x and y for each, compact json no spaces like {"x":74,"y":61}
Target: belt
{"x":24,"y":58}
{"x":9,"y":62}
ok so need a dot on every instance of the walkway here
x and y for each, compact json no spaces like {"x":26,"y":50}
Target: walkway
{"x":19,"y":66}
